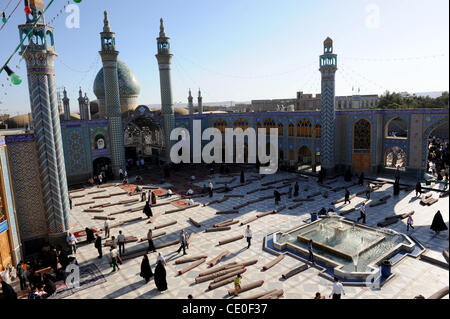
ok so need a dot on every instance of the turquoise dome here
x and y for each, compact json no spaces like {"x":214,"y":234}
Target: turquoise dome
{"x":128,"y":83}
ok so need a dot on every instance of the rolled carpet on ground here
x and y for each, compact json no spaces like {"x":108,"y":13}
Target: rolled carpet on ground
{"x":218,"y":268}
{"x":219,"y":257}
{"x":294,"y":271}
{"x":273,"y":262}
{"x":189,"y":259}
{"x":233,"y":272}
{"x":191,"y":266}
{"x":439,"y":294}
{"x":251,"y":219}
{"x":274,"y":295}
{"x":219,"y":274}
{"x":172,"y":222}
{"x":261,"y":294}
{"x":230,"y":240}
{"x":216,"y":229}
{"x":196,"y":224}
{"x":247,"y":287}
{"x":220,"y":284}
{"x":170,"y":243}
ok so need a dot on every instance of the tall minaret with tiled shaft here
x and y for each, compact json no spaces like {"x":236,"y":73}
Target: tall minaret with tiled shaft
{"x":39,"y":57}
{"x":190,"y":103}
{"x":200,"y":102}
{"x":66,"y":104}
{"x":328,"y":68}
{"x":164,"y":60}
{"x":112,"y":97}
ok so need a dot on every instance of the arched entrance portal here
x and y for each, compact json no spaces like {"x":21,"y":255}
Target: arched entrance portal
{"x":395,"y":157}
{"x":102,"y":164}
{"x":304,"y":157}
{"x":143,"y":138}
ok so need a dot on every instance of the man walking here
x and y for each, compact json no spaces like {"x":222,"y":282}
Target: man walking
{"x":21,"y":274}
{"x":98,"y":245}
{"x":210,"y":189}
{"x":338,"y":289}
{"x":182,"y":242}
{"x":248,"y":236}
{"x":151,"y":246}
{"x":409,"y":223}
{"x":347,"y":196}
{"x":368,"y":191}
{"x":362,"y":210}
{"x":106,"y":227}
{"x":121,"y":242}
{"x":72,"y":242}
{"x":113,"y":259}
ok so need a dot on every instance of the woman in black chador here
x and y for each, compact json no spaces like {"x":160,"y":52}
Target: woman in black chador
{"x":438,"y":224}
{"x":418,"y":188}
{"x":89,"y":235}
{"x":146,"y":270}
{"x":361,"y":179}
{"x":242,"y":177}
{"x":396,"y":188}
{"x":296,"y":188}
{"x":277,"y":196}
{"x":147,"y":209}
{"x":160,"y":276}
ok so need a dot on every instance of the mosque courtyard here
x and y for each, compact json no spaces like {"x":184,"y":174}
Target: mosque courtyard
{"x":412,"y":276}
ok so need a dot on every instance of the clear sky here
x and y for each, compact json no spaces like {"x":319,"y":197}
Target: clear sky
{"x":241,"y":50}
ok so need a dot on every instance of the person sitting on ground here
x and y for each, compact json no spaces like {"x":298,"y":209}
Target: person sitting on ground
{"x":237,"y":284}
{"x":227,"y":188}
{"x":193,"y":178}
{"x":169,"y":193}
{"x":190,"y":192}
{"x":322,"y":212}
{"x":319,"y":296}
{"x":89,"y":235}
{"x":190,"y":202}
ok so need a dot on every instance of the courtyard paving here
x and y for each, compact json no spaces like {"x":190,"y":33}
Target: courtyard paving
{"x":412,"y":276}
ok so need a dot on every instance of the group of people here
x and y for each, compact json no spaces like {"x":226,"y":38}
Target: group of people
{"x":38,"y":275}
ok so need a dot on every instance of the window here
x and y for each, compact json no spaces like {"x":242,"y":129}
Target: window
{"x":280,"y":129}
{"x":304,"y":128}
{"x":268,"y":124}
{"x":221,"y":125}
{"x":361,"y":135}
{"x":291,"y":129}
{"x":318,"y":131}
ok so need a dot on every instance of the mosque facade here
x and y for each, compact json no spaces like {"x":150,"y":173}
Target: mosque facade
{"x":64,"y":150}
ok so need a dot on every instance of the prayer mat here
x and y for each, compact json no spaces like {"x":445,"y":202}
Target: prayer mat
{"x":128,"y":188}
{"x":159,"y":191}
{"x":182,"y":203}
{"x":90,"y":276}
{"x":82,"y":233}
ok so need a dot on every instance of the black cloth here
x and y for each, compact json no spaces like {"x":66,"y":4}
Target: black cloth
{"x":277,"y":196}
{"x":50,"y":286}
{"x":347,"y":196}
{"x":147,"y":209}
{"x":242,"y":177}
{"x":89,"y":235}
{"x":296,"y":188}
{"x":98,"y":245}
{"x":396,"y":188}
{"x":323,"y":211}
{"x":160,"y":277}
{"x":361,"y":179}
{"x":146,"y":270}
{"x":438,"y":223}
{"x":8,"y":291}
{"x":53,"y":259}
{"x":418,"y":188}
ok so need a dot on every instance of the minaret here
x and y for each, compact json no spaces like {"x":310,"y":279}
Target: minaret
{"x":112,"y":98}
{"x":200,"y":102}
{"x":39,"y":57}
{"x":80,"y":103}
{"x":190,"y":103}
{"x":66,"y":106}
{"x":328,"y":67}
{"x":164,"y":60}
{"x":85,"y":113}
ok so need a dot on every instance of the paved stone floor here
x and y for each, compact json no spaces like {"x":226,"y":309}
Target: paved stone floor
{"x":412,"y":276}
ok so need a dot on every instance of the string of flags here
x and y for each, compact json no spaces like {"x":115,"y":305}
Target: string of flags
{"x":15,"y":79}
